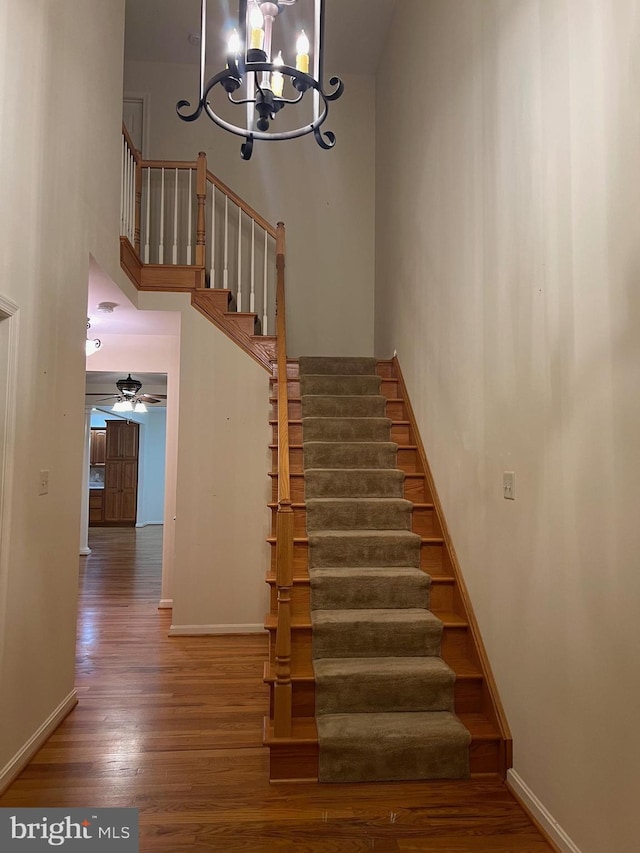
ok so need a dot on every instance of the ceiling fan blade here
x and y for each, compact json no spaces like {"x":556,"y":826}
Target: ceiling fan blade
{"x":151,"y":398}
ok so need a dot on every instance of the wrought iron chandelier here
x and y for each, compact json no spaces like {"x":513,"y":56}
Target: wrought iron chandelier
{"x":259,"y":80}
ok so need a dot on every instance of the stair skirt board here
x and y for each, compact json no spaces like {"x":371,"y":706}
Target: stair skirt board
{"x":384,"y":696}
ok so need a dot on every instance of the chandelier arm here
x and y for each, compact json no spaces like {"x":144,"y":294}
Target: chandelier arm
{"x":246,"y":149}
{"x":325,"y":140}
{"x":267,"y":137}
{"x":333,"y":96}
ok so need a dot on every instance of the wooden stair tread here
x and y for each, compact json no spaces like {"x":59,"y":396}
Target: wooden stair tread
{"x":304,"y":540}
{"x":305,"y":730}
{"x":465,"y":670}
{"x":270,"y":578}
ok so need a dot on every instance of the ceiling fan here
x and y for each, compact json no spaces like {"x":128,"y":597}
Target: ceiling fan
{"x":129,"y":398}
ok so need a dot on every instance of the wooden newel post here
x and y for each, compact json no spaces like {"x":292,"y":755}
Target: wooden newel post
{"x":201,"y":193}
{"x":136,"y":227}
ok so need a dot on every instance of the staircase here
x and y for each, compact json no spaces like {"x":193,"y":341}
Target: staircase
{"x":377,"y":600}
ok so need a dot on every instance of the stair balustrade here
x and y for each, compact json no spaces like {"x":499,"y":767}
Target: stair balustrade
{"x":178,"y":213}
{"x":179,"y":216}
{"x":284,"y":518}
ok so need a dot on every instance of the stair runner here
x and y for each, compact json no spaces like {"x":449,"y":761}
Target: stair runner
{"x":384,"y":697}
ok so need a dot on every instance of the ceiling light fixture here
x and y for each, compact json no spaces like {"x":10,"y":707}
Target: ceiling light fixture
{"x":91,"y":346}
{"x":259,"y":79}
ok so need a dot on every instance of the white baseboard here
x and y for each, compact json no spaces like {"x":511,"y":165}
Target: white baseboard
{"x":25,"y":754}
{"x":538,"y":810}
{"x":205,"y":630}
{"x":165,"y":604}
{"x":84,"y":552}
{"x":149,"y":523}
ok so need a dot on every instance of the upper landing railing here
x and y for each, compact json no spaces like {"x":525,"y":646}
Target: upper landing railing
{"x":177,"y":213}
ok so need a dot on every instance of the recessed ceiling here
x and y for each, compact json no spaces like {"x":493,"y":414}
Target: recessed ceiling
{"x":158,"y":31}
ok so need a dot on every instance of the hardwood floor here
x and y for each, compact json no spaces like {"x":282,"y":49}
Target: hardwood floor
{"x":173,"y":727}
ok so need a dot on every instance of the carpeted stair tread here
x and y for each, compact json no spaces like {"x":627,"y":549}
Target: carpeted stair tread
{"x":346,"y":429}
{"x":344,"y":405}
{"x":410,"y":632}
{"x":367,"y":385}
{"x":364,"y":548}
{"x":350,"y":454}
{"x":392,"y":746}
{"x":353,"y":482}
{"x":321,"y":364}
{"x":358,"y":514}
{"x":368,"y":588}
{"x":376,"y":685}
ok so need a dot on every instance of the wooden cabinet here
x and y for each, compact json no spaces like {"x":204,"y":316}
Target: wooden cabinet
{"x":120,"y":493}
{"x":98,"y":446}
{"x":96,"y":506}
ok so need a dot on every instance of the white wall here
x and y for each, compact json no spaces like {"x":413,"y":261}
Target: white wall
{"x":57,"y":62}
{"x":222,"y":488}
{"x":508,"y":251}
{"x":153,"y":432}
{"x":325,"y":198}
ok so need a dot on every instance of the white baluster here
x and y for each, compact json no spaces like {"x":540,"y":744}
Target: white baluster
{"x":239,"y":305}
{"x":161,"y":244}
{"x":148,"y":216}
{"x":225,"y":275}
{"x":132,"y":201}
{"x":174,"y":254}
{"x":123,"y":171}
{"x":189,"y":221}
{"x":212,"y":237}
{"x":264,"y":286}
{"x":252,"y":298}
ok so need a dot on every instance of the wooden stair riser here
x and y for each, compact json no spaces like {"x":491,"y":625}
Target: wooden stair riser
{"x":384,"y":368}
{"x":290,"y":760}
{"x":415,"y":489}
{"x":423,"y":521}
{"x":442,"y":596}
{"x":407,"y":459}
{"x":467,"y":696}
{"x":455,"y":647}
{"x":244,"y":321}
{"x":400,"y":433}
{"x":394,"y":409}
{"x":388,"y":388}
{"x":430,"y":556}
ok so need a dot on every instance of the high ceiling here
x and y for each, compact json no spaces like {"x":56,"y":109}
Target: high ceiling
{"x":158,"y":31}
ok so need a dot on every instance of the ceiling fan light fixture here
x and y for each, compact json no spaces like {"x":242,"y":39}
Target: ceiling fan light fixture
{"x":140,"y":408}
{"x":122,"y":405}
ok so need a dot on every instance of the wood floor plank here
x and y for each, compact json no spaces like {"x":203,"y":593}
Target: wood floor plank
{"x":173,"y":726}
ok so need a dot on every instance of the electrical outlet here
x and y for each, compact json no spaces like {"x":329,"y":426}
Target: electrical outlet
{"x":509,"y":485}
{"x":43,"y":488}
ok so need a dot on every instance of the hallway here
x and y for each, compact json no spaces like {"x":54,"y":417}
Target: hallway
{"x":173,"y":727}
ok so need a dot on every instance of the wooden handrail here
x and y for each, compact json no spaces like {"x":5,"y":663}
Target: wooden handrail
{"x":284,"y":516}
{"x":235,"y":198}
{"x":169,"y":164}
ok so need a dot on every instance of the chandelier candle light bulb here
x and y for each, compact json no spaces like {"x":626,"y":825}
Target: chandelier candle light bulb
{"x":233,"y":45}
{"x":302,"y":53}
{"x":256,"y":20}
{"x":277,"y":78}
